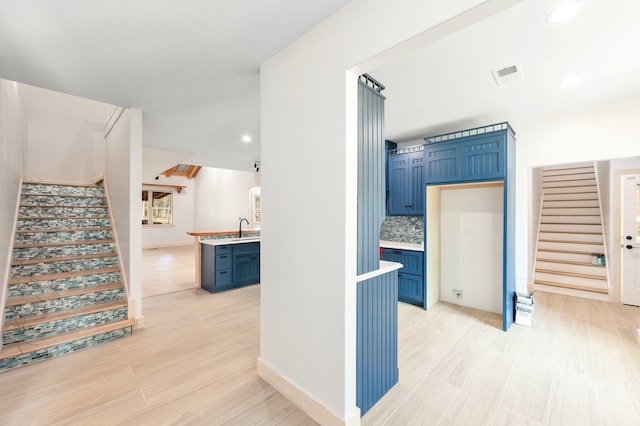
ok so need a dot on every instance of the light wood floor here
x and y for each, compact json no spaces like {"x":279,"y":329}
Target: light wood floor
{"x":168,"y":269}
{"x":195,"y":363}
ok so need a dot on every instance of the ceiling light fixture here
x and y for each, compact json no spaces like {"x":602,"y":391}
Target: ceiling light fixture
{"x":246,"y":138}
{"x":571,"y":81}
{"x":565,"y":12}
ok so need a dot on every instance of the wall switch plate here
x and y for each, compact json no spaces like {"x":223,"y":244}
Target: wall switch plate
{"x":457,"y":293}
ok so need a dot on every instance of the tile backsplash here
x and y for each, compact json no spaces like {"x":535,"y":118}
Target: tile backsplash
{"x":402,"y":229}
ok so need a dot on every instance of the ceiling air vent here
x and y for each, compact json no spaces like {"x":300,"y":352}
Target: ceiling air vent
{"x":508,"y":73}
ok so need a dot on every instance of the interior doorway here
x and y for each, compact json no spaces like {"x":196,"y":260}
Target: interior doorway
{"x":630,"y":244}
{"x":168,"y":269}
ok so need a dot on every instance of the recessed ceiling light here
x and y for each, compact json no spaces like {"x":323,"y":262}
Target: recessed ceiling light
{"x":565,"y":12}
{"x":246,"y":138}
{"x":571,"y":81}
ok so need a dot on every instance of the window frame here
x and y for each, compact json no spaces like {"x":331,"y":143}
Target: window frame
{"x":149,"y":209}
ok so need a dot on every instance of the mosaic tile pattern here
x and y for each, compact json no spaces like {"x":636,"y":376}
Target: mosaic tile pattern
{"x":49,"y":200}
{"x":62,"y":236}
{"x":47,"y":286}
{"x":35,"y":223}
{"x":36,"y":188}
{"x":61,"y":251}
{"x":43,"y":211}
{"x":226,"y":237}
{"x":60,"y":326}
{"x":64,"y":348}
{"x":36,"y":269}
{"x":56,"y":305}
{"x":402,"y":229}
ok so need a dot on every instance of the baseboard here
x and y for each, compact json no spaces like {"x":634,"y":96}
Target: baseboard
{"x":139,"y":322}
{"x":303,"y":400}
{"x":4,"y":280}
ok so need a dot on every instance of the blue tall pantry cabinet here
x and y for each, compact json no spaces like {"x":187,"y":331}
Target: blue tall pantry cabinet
{"x":406,"y":183}
{"x":480,"y":155}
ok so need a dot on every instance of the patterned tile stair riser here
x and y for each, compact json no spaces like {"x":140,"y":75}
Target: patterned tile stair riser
{"x":61,"y":251}
{"x":30,"y":188}
{"x":53,"y":351}
{"x":41,"y":224}
{"x":48,"y":200}
{"x":37,"y":269}
{"x":39,"y":287}
{"x":62,"y":236}
{"x":43,"y":211}
{"x":57,"y":305}
{"x":60,"y":326}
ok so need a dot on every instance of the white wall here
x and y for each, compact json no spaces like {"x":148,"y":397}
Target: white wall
{"x":64,"y":137}
{"x":221,"y":196}
{"x":12,"y":138}
{"x":601,"y":132}
{"x":471,"y":230}
{"x":123,"y":181}
{"x":309,"y":188}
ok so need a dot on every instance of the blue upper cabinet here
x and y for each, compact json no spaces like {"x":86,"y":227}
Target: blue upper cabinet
{"x":467,"y":157}
{"x":406,"y":183}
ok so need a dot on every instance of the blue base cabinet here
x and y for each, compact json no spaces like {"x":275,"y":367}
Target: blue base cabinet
{"x":411,"y":286}
{"x":229,"y":266}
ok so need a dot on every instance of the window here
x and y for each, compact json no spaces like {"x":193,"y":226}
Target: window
{"x":157,"y":207}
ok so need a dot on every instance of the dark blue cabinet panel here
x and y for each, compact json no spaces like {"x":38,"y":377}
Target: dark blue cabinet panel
{"x":442,"y":162}
{"x":410,"y":288}
{"x":411,"y":276}
{"x":246,"y":268}
{"x":406,"y":183}
{"x":412,"y":261}
{"x":229,"y":266}
{"x":483,"y":158}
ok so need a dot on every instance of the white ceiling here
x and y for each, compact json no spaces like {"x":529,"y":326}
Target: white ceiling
{"x":191,"y":66}
{"x":448,"y":86}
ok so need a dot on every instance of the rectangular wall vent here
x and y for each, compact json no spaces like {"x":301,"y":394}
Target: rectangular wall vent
{"x":508,"y":73}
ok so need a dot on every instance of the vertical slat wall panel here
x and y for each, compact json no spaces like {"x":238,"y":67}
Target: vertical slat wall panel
{"x":377,"y":346}
{"x":371,"y":176}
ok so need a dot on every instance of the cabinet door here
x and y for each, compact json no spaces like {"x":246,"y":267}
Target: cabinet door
{"x":411,"y":260}
{"x":442,"y":162}
{"x":415,"y":184}
{"x":483,"y":158}
{"x":398,"y":175}
{"x":207,"y":266}
{"x":410,"y":288}
{"x":246,"y":268}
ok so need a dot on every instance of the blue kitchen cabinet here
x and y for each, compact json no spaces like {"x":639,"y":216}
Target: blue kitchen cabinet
{"x":411,"y":276}
{"x":228,"y":266}
{"x":406,"y":183}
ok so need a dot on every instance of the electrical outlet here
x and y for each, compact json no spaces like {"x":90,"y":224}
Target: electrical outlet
{"x":457,"y":293}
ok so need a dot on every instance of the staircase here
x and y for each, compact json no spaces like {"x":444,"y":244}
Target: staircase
{"x":570,"y":232}
{"x":65,"y":291}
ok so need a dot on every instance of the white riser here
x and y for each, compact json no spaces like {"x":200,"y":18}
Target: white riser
{"x":574,"y":281}
{"x":587,"y":248}
{"x":572,"y":196}
{"x":583,"y":238}
{"x":570,"y":177}
{"x":571,"y":292}
{"x":587,"y":169}
{"x":578,"y":189}
{"x":571,"y":212}
{"x":570,"y":183}
{"x":572,"y":257}
{"x":570,"y":203}
{"x":571,"y":228}
{"x":600,"y":271}
{"x":572,"y":219}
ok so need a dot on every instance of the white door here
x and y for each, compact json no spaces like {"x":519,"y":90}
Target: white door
{"x":631,"y":240}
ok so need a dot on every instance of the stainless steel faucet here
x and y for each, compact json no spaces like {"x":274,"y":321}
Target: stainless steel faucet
{"x":242,"y":219}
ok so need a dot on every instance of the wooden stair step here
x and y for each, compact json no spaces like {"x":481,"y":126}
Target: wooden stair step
{"x":564,"y":262}
{"x":570,"y":223}
{"x":61,"y":259}
{"x":63,"y":243}
{"x":564,"y":251}
{"x":37,"y":231}
{"x":97,"y":206}
{"x":19,"y":348}
{"x":77,"y":291}
{"x":32,"y":320}
{"x":569,"y":286}
{"x":570,"y":232}
{"x":572,"y":274}
{"x":75,"y":185}
{"x":594,"y":243}
{"x":60,"y":275}
{"x":61,"y":195}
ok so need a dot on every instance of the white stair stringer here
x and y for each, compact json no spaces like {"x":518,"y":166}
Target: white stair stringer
{"x":570,"y":231}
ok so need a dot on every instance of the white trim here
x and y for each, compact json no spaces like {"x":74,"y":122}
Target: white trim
{"x":385,"y":267}
{"x":572,"y":292}
{"x":303,"y":400}
{"x":607,"y":254}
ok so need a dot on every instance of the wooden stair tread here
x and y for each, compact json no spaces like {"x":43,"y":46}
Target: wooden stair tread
{"x":570,"y":232}
{"x":64,"y":243}
{"x":566,"y":262}
{"x":62,"y":195}
{"x":569,"y":223}
{"x":576,"y":176}
{"x":593,"y":243}
{"x":15,"y":349}
{"x":570,"y":286}
{"x":564,"y":251}
{"x":99,"y":206}
{"x":573,"y":214}
{"x":75,"y":185}
{"x":572,"y":274}
{"x":61,"y":259}
{"x":573,"y":207}
{"x":32,"y":320}
{"x":62,"y":217}
{"x":59,"y":275}
{"x":59,"y":294}
{"x":37,"y":231}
